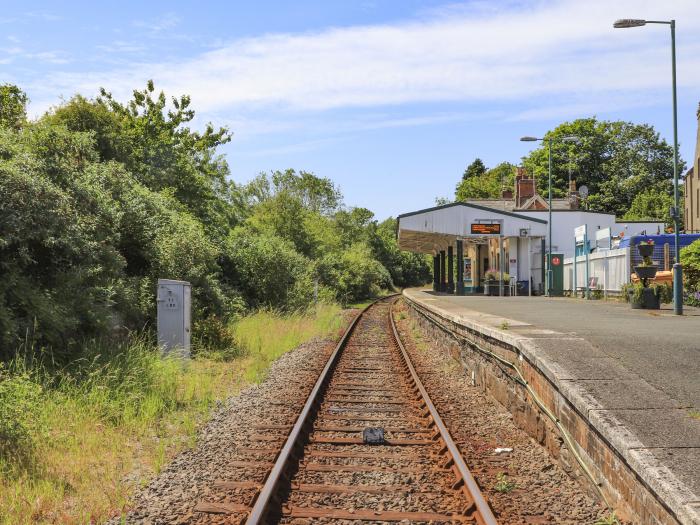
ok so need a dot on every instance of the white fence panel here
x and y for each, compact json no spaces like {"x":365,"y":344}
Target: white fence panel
{"x":610,"y":267}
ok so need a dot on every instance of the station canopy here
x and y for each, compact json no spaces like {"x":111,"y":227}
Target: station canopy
{"x":432,"y":229}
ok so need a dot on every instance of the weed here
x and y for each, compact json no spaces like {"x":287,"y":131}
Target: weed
{"x":695,"y":414}
{"x":505,"y":325}
{"x":266,"y":335}
{"x":608,"y":519}
{"x":503,"y":484}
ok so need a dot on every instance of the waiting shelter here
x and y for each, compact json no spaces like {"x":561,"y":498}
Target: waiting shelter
{"x":470,"y":242}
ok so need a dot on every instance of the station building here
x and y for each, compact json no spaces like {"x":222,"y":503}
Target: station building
{"x":504,"y":239}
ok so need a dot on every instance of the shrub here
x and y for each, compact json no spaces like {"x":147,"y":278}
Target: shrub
{"x":690,"y":257}
{"x":353,"y":274}
{"x":267,"y":270}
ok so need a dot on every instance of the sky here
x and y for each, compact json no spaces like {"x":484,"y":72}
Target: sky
{"x":389,"y":99}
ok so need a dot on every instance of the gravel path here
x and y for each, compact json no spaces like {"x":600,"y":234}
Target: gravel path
{"x":225,"y":443}
{"x":542,"y":491}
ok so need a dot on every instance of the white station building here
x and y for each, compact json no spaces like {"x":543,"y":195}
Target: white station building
{"x":504,"y":238}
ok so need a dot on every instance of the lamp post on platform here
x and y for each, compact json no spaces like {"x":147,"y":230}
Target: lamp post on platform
{"x":675,"y":215}
{"x":548,"y":283}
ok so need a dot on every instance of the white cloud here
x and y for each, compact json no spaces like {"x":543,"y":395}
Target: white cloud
{"x":477,"y":54}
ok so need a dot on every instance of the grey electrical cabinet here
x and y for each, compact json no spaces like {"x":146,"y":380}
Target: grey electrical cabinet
{"x":174,"y":314}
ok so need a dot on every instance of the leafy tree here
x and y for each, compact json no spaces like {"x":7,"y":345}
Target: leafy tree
{"x":489,"y":185}
{"x":13,"y":106}
{"x":616,"y":160}
{"x":651,"y":205}
{"x":475,"y":169}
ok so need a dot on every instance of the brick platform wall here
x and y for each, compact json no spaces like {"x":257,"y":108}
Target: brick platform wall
{"x":631,"y":498}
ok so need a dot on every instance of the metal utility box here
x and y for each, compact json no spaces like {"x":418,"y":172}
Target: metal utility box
{"x":174,"y":301}
{"x":556,"y":264}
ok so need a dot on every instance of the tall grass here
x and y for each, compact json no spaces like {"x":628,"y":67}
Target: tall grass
{"x":266,"y":335}
{"x":77,"y":440}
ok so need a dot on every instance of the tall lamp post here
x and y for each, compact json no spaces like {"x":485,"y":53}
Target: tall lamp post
{"x":550,"y":273}
{"x":677,"y":268}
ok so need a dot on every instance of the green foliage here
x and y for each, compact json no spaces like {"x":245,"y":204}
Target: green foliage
{"x":475,"y":169}
{"x":616,"y":160}
{"x":652,"y":205}
{"x":13,"y":106}
{"x":690,"y":257}
{"x":19,"y":402}
{"x":105,"y":198}
{"x":267,"y":270}
{"x":633,"y":292}
{"x":488,"y":185}
{"x":503,"y":484}
{"x":353,"y":274}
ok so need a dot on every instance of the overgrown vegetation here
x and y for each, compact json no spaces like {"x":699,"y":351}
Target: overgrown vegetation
{"x":77,"y":439}
{"x":106,"y":197}
{"x":99,"y":199}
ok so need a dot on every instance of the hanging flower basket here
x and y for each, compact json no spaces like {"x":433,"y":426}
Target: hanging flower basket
{"x":645,"y":250}
{"x":646,"y":272}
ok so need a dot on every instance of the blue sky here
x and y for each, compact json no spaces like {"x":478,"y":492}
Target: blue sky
{"x":390,"y":99}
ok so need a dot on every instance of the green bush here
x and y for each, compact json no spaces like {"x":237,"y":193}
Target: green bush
{"x":690,"y":257}
{"x":353,"y":274}
{"x":267,"y":270}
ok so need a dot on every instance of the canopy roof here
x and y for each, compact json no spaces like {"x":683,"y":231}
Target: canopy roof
{"x":433,"y":229}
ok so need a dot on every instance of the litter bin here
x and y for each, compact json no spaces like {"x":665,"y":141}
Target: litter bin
{"x":522,"y":288}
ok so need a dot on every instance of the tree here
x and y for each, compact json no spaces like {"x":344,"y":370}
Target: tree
{"x":653,"y":205}
{"x":488,"y":185}
{"x":13,"y":106}
{"x":475,"y":169}
{"x":616,"y":160}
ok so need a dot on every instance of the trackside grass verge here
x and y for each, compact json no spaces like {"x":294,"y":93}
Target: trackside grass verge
{"x":76,"y":441}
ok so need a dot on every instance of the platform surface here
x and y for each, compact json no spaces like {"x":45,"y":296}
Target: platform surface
{"x":634,"y":373}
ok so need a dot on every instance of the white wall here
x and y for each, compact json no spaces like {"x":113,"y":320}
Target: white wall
{"x":457,"y":220}
{"x":564,"y":223}
{"x":611,"y":267}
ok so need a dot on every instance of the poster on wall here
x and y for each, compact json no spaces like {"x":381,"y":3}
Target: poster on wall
{"x":467,"y":270}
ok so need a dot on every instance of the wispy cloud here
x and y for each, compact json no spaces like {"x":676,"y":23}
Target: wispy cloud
{"x":476,"y":53}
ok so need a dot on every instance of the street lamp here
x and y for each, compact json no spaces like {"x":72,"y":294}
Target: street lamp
{"x":677,"y":268}
{"x":569,"y":138}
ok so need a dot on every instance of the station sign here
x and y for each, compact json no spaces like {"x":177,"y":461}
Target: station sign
{"x":486,"y":229}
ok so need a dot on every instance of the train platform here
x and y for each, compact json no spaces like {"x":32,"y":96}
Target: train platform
{"x":633,"y":376}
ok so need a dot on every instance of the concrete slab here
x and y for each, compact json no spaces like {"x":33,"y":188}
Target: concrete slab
{"x":634,"y":374}
{"x":658,"y":428}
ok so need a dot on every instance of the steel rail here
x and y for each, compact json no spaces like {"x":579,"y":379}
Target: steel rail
{"x":472,"y":487}
{"x":270,"y":488}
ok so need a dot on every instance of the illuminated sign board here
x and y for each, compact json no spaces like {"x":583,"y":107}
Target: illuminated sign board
{"x":486,"y":229}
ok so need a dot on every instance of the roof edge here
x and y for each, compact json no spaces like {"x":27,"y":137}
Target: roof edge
{"x":469,"y":205}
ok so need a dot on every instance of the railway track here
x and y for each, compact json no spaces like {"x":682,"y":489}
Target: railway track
{"x":368,"y":446}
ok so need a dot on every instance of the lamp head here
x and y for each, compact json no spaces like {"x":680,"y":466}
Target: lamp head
{"x":628,"y":22}
{"x":571,"y":138}
{"x":529,"y":139}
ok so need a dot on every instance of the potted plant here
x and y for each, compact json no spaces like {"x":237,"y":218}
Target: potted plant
{"x":490,"y":283}
{"x":640,"y":295}
{"x":646,"y":248}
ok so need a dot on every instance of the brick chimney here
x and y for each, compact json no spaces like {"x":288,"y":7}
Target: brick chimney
{"x":524,"y":188}
{"x":574,"y":197}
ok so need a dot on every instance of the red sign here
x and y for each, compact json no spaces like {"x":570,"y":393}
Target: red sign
{"x":556,"y":261}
